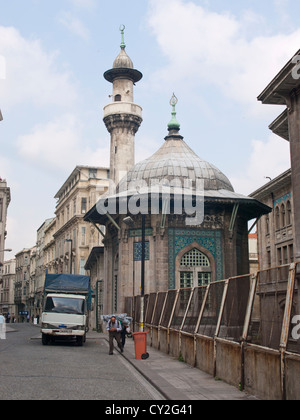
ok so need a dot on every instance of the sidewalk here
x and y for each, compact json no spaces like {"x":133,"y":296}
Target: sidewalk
{"x":176,"y":380}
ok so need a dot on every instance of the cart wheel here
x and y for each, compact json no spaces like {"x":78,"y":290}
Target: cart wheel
{"x":145,"y":356}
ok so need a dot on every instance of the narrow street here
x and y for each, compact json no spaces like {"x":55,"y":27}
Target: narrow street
{"x":63,"y":371}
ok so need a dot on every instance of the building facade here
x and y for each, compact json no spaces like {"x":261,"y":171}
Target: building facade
{"x":73,"y":237}
{"x":40,"y":269}
{"x":7,"y":292}
{"x":25,"y":283}
{"x":95,"y":267}
{"x":276,"y":230}
{"x":284,"y":89}
{"x":49,"y":247}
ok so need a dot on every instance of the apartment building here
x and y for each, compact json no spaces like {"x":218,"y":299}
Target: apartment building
{"x":49,"y":247}
{"x":25,"y":283}
{"x":74,"y":238}
{"x":7,"y":284}
{"x":276,"y":230}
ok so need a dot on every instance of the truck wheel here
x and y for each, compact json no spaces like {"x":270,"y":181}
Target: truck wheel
{"x":79,"y":341}
{"x":45,"y":339}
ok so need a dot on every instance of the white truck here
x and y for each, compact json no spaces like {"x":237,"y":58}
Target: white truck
{"x":67,"y":301}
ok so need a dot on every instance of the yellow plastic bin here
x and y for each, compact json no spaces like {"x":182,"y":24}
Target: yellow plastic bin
{"x":140,"y":345}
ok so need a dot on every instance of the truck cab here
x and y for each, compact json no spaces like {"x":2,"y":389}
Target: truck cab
{"x":64,"y":316}
{"x":65,"y":311}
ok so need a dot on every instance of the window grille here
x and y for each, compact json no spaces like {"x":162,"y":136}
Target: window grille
{"x":195,"y":269}
{"x":204,"y":279}
{"x":186,"y":280}
{"x":194,"y":258}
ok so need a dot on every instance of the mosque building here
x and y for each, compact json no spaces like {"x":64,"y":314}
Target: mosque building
{"x":171,"y":221}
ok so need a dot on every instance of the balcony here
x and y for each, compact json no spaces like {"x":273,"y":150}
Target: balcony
{"x":123,"y":108}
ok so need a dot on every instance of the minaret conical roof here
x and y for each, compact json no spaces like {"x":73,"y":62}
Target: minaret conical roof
{"x":123,"y":66}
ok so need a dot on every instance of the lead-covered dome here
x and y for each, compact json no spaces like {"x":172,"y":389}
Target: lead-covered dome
{"x":176,"y":161}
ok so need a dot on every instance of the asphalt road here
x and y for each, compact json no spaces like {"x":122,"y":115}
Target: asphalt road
{"x":63,"y":371}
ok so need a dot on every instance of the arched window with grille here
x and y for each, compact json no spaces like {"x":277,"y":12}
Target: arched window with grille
{"x":277,"y":218}
{"x":195,"y":269}
{"x":282,"y":216}
{"x":288,"y":213}
{"x":267,"y":224}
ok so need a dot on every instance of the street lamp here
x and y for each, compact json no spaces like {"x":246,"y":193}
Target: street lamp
{"x":71,"y":256}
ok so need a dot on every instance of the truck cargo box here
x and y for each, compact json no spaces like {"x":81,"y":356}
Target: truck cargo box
{"x":67,"y":283}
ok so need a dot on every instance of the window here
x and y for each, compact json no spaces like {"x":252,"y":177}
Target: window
{"x":285,"y":255}
{"x":92,"y":173}
{"x":277,"y":218}
{"x":267,"y":224}
{"x":137,"y":251}
{"x":118,"y":98}
{"x":279,"y":256}
{"x":56,"y":304}
{"x":82,"y":264}
{"x":186,"y":280}
{"x":194,"y":258}
{"x":83,"y":205}
{"x":288,"y":213}
{"x":282,"y":216}
{"x":204,"y":279}
{"x":195,"y":269}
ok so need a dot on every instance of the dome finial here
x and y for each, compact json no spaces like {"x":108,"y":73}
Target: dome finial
{"x":174,"y":124}
{"x":122,"y":29}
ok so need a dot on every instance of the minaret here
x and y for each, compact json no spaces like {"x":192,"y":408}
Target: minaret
{"x":122,"y":117}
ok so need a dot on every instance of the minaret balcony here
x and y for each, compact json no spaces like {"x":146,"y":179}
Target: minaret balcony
{"x":123,"y":108}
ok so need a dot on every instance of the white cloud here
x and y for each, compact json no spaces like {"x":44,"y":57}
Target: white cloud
{"x":83,"y":4}
{"x":281,"y":7}
{"x":2,"y":67}
{"x":8,"y":172}
{"x":74,"y":25}
{"x":145,"y":147}
{"x":208,"y":48}
{"x":4,"y":167}
{"x":32,"y":74}
{"x":268,"y":159}
{"x":60,"y":145}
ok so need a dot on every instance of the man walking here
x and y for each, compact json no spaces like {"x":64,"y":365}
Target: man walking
{"x":114,"y":328}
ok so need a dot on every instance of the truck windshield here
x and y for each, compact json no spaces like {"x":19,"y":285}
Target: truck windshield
{"x":64,"y":305}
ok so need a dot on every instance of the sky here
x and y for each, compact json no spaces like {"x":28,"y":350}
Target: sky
{"x":215,"y":55}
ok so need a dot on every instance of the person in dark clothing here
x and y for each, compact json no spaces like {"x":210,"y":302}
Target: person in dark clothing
{"x":114,"y":328}
{"x":124,"y":333}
